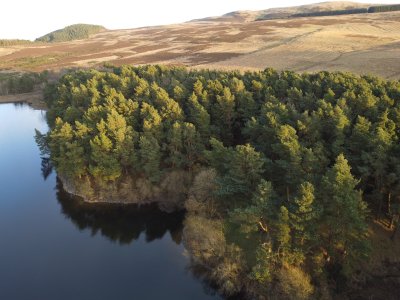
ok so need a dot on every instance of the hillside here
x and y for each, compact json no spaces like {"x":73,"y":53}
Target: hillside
{"x":284,"y":12}
{"x":71,"y":33}
{"x":312,"y":8}
{"x":362,"y":43}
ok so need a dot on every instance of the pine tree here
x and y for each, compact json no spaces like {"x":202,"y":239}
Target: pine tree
{"x":104,"y":163}
{"x":150,"y":157}
{"x":175,"y":146}
{"x":219,"y":156}
{"x":67,"y":154}
{"x":225,"y":115}
{"x":283,"y":230}
{"x":152,"y":121}
{"x":344,"y":215}
{"x":199,"y":116}
{"x":303,"y":216}
{"x":359,"y":146}
{"x":244,"y":172}
{"x":289,"y":153}
{"x":192,"y":145}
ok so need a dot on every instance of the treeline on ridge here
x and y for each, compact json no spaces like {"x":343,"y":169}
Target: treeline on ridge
{"x":332,"y":13}
{"x":383,"y":8}
{"x":288,"y":167}
{"x":325,"y":13}
{"x":13,"y":42}
{"x":70,"y":33}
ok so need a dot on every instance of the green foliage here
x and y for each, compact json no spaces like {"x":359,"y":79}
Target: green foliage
{"x":332,"y":13}
{"x":8,"y":43}
{"x":344,"y":215}
{"x":281,"y":193}
{"x":324,"y":13}
{"x":303,"y":217}
{"x":104,"y":163}
{"x":262,"y":270}
{"x":283,"y":229}
{"x":70,"y":33}
{"x":17,"y":83}
{"x":150,"y":156}
{"x":383,"y":8}
{"x":242,"y":169}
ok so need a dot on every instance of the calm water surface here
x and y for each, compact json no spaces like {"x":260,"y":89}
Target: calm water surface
{"x":54,"y":247}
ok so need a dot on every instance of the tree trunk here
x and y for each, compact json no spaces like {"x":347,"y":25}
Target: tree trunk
{"x":378,"y":213}
{"x":263,"y":227}
{"x":391,"y":222}
{"x":395,"y":231}
{"x":287,"y":194}
{"x":392,"y":216}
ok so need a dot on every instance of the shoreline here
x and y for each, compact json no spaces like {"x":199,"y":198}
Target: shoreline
{"x":34,"y":99}
{"x":131,"y":192}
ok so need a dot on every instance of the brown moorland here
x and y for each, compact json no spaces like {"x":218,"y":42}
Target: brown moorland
{"x":361,"y":43}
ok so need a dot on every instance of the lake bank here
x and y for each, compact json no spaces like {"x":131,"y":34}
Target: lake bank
{"x":34,"y":99}
{"x":57,"y":247}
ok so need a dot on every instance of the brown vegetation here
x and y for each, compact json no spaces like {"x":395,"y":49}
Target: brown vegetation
{"x":359,"y":43}
{"x":35,"y":99}
{"x":169,"y":194}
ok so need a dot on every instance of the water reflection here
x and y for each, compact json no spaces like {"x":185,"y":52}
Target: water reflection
{"x":121,"y":223}
{"x":125,"y":223}
{"x":46,"y":167}
{"x":46,"y":251}
{"x":19,"y":104}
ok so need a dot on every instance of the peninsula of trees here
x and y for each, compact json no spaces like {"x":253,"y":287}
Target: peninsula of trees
{"x":282,"y":171}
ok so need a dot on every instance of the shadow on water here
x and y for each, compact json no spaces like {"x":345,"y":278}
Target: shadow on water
{"x":121,"y":223}
{"x":19,"y":104}
{"x":46,"y":167}
{"x":125,"y":223}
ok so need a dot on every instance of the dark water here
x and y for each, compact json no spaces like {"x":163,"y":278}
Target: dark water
{"x":54,"y":247}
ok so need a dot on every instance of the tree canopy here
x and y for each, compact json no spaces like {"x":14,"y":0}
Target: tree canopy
{"x":299,"y":160}
{"x":70,"y":33}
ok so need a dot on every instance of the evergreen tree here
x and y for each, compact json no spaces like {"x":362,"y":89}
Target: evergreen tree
{"x":244,"y":172}
{"x":104,"y":163}
{"x":150,"y":157}
{"x":283,"y":230}
{"x":344,"y":216}
{"x":289,"y":153}
{"x":152,"y":121}
{"x":303,"y":216}
{"x":192,"y":144}
{"x":175,"y":146}
{"x":225,"y":114}
{"x":199,"y":116}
